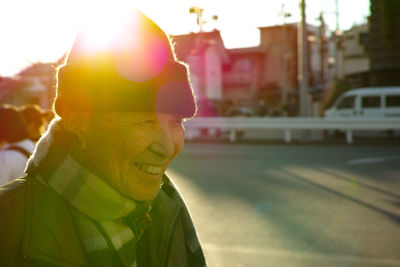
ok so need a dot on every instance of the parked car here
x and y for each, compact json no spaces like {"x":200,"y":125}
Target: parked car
{"x":374,"y":102}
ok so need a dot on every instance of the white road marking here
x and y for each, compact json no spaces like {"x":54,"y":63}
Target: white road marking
{"x":245,"y":250}
{"x":372,"y":160}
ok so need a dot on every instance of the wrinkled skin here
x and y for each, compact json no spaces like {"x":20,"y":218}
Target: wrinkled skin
{"x":132,"y":150}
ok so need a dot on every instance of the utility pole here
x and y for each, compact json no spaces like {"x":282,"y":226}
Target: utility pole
{"x":337,"y":15}
{"x":200,"y":46}
{"x":284,"y":55}
{"x":322,"y":40}
{"x":303,"y":61}
{"x":199,"y":16}
{"x":337,"y":42}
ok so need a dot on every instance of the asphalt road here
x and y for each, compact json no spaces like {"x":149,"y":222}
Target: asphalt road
{"x":293,"y":205}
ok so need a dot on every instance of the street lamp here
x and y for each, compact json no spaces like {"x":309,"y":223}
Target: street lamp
{"x":199,"y":13}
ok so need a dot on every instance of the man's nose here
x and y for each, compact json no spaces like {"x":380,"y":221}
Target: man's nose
{"x":164,"y":144}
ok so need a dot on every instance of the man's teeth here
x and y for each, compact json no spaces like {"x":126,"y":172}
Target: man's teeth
{"x":150,"y":169}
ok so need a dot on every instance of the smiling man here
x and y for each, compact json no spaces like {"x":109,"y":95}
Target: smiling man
{"x":95,"y":192}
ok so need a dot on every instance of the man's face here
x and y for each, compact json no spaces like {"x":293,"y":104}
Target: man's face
{"x":132,"y":150}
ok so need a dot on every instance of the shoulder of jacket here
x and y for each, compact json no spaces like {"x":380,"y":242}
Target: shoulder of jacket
{"x":12,"y":219}
{"x":12,"y":200}
{"x":171,"y":189}
{"x":14,"y":189}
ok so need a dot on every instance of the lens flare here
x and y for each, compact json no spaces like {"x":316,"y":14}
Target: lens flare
{"x":140,"y":59}
{"x":105,"y":25}
{"x":122,"y":37}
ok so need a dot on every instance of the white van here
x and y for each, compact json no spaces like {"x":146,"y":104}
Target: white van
{"x":373,"y":102}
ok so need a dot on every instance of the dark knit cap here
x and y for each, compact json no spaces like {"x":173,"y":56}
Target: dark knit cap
{"x":134,"y":71}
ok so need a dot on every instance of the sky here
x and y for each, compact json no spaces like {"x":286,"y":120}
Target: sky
{"x":43,"y":30}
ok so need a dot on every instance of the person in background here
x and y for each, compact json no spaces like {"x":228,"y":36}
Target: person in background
{"x":48,"y":116}
{"x":292,"y":107}
{"x":262,"y":109}
{"x":96,"y":192}
{"x":34,"y":120}
{"x":16,"y":148}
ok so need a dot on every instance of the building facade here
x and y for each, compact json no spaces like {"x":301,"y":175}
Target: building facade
{"x":353,"y":57}
{"x":33,"y":85}
{"x":246,"y":76}
{"x":384,"y":44}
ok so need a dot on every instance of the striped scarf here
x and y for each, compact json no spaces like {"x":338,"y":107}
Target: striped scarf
{"x":108,"y":223}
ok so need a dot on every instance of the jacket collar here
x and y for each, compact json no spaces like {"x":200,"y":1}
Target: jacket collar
{"x":51,"y":236}
{"x":166,"y":209}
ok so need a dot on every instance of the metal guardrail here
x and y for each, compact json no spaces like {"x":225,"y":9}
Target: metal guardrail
{"x":348,"y":125}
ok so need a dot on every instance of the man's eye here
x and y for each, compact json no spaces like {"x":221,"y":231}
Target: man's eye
{"x":147,"y":122}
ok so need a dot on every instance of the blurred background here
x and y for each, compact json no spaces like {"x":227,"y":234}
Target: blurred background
{"x":240,"y":52}
{"x":290,"y":161}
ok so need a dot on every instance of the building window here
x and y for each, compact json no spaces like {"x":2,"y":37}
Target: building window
{"x":243,"y":65}
{"x":363,"y":38}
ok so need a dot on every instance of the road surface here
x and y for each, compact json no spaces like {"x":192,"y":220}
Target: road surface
{"x":293,"y":205}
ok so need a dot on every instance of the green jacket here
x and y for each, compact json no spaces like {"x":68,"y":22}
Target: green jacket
{"x":36,"y":229}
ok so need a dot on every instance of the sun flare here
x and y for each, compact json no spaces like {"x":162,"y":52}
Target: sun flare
{"x":43,"y":30}
{"x":102,"y":25}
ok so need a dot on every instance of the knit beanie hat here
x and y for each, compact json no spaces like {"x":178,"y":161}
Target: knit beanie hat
{"x":134,"y":70}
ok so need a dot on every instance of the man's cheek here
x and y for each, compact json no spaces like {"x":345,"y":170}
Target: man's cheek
{"x":179,"y":140}
{"x":134,"y":145}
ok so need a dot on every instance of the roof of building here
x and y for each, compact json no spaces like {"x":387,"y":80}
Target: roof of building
{"x":191,"y":43}
{"x":38,"y":69}
{"x":11,"y":84}
{"x":247,"y":50}
{"x":294,"y":24}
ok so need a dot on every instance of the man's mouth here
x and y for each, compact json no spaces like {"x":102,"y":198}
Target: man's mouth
{"x":149,"y":169}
